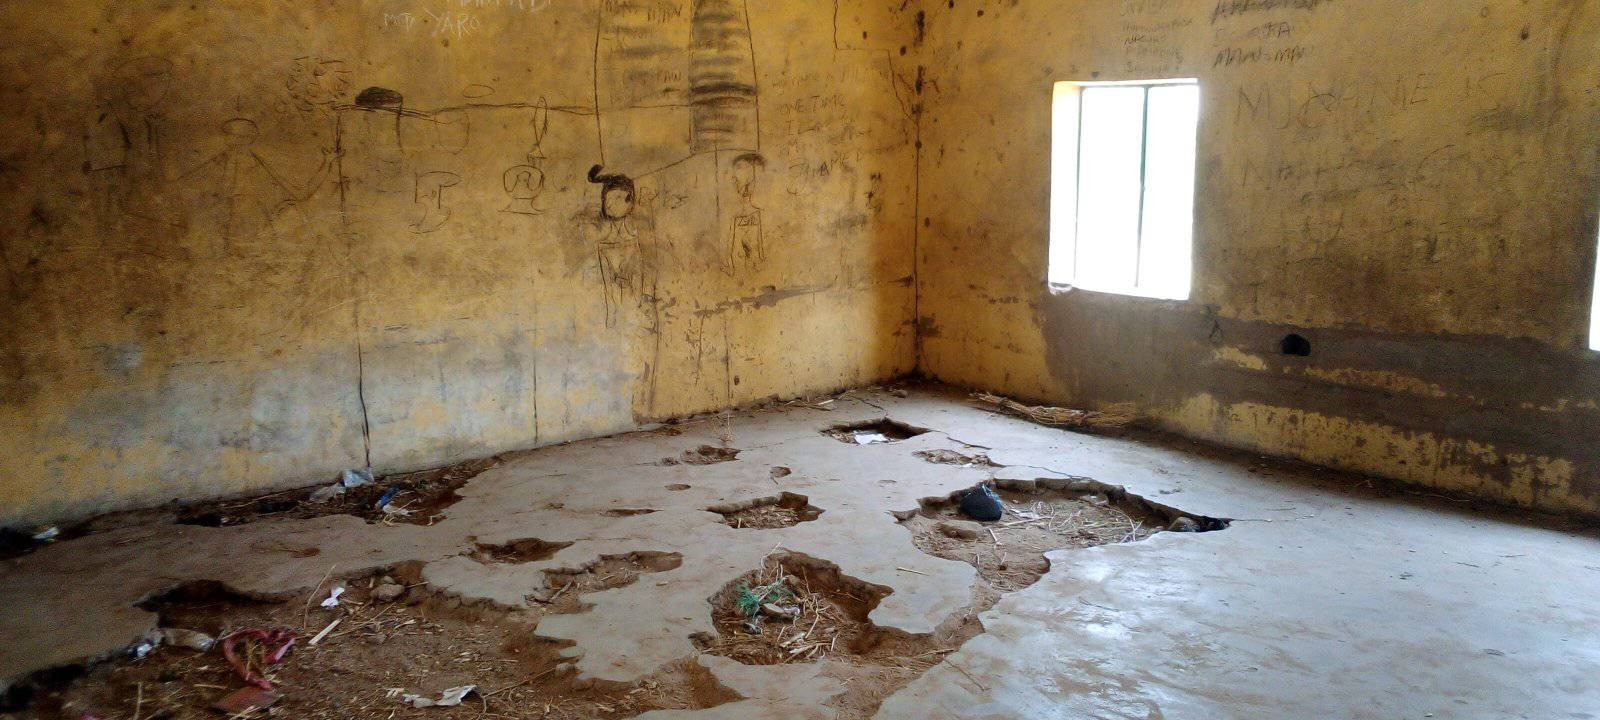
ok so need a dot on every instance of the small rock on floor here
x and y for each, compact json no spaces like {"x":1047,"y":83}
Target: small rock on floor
{"x":961,"y":529}
{"x":388,"y":593}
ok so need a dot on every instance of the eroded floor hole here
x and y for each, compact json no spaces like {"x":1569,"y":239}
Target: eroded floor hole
{"x":778,"y":511}
{"x":792,"y":609}
{"x":418,"y":498}
{"x":873,"y":432}
{"x":703,"y":455}
{"x":678,"y":487}
{"x":951,"y":457}
{"x":627,"y":512}
{"x":416,"y":640}
{"x":565,"y":586}
{"x":517,"y":551}
{"x":1040,"y":516}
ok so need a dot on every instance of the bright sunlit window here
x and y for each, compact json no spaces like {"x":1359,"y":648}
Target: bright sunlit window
{"x":1122,"y":186}
{"x":1594,"y":313}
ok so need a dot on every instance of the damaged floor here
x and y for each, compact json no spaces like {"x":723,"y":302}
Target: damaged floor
{"x":599,"y":579}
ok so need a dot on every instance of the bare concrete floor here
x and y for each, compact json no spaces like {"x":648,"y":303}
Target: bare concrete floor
{"x":1324,"y":598}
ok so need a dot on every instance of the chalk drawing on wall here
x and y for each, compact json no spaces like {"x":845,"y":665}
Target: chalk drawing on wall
{"x":746,"y":246}
{"x":524,"y":182}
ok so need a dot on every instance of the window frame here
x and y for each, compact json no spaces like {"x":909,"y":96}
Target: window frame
{"x":1068,"y":95}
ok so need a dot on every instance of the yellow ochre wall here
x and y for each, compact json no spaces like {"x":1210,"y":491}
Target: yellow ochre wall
{"x":1411,"y":185}
{"x":244,"y":242}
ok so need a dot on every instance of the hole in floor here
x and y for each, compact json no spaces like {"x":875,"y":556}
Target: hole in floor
{"x":768,"y":513}
{"x":564,"y":587}
{"x":517,"y":551}
{"x":678,"y":487}
{"x":420,"y":499}
{"x":951,"y":457}
{"x":703,"y":455}
{"x":1295,"y":344}
{"x":627,"y":512}
{"x":792,"y":609}
{"x":419,"y":641}
{"x":873,"y":432}
{"x":1040,"y":516}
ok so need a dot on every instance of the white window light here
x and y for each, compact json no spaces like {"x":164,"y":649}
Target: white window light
{"x":1122,"y":186}
{"x":1594,"y":312}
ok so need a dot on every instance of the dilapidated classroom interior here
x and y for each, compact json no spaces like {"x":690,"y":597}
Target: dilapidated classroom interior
{"x":799,"y":359}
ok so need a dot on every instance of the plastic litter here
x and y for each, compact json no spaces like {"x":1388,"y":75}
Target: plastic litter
{"x":276,"y":644}
{"x":47,"y":534}
{"x":192,"y":639}
{"x":387,"y":497}
{"x":328,"y":494}
{"x":355,"y":478}
{"x":981,"y":503}
{"x":144,"y":648}
{"x":871,"y":438}
{"x":449,"y":698}
{"x":333,"y":597}
{"x":780,"y":612}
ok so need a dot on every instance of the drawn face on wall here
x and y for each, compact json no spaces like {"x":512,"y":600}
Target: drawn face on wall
{"x":617,"y":202}
{"x":744,"y":173}
{"x":315,"y":82}
{"x":141,"y":84}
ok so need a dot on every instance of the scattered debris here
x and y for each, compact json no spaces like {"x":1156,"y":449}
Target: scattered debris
{"x":786,"y":509}
{"x":981,"y":503}
{"x":324,"y":633}
{"x":449,"y":698}
{"x":262,"y":649}
{"x":873,"y":432}
{"x":703,"y":455}
{"x":245,"y":701}
{"x":333,"y":596}
{"x":386,"y":498}
{"x":45,"y":534}
{"x":425,"y":495}
{"x":823,"y":612}
{"x":1114,"y":416}
{"x":786,"y":613}
{"x":1037,"y":516}
{"x":192,"y":639}
{"x":951,"y":457}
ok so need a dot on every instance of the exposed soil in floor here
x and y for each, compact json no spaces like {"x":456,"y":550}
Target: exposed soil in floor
{"x":378,"y":652}
{"x":517,"y":551}
{"x":1009,"y":554}
{"x":831,"y":626}
{"x":951,"y":457}
{"x":703,"y":455}
{"x":824,"y":613}
{"x":780,"y":511}
{"x":873,"y":432}
{"x":420,"y":499}
{"x":565,"y":587}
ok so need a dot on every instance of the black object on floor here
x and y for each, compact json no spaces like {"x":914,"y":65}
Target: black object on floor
{"x":981,"y":503}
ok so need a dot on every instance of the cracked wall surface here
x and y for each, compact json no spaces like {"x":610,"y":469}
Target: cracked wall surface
{"x":247,"y":245}
{"x":1411,"y":186}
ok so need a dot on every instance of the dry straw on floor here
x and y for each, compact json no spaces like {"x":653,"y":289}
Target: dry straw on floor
{"x":1114,"y":416}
